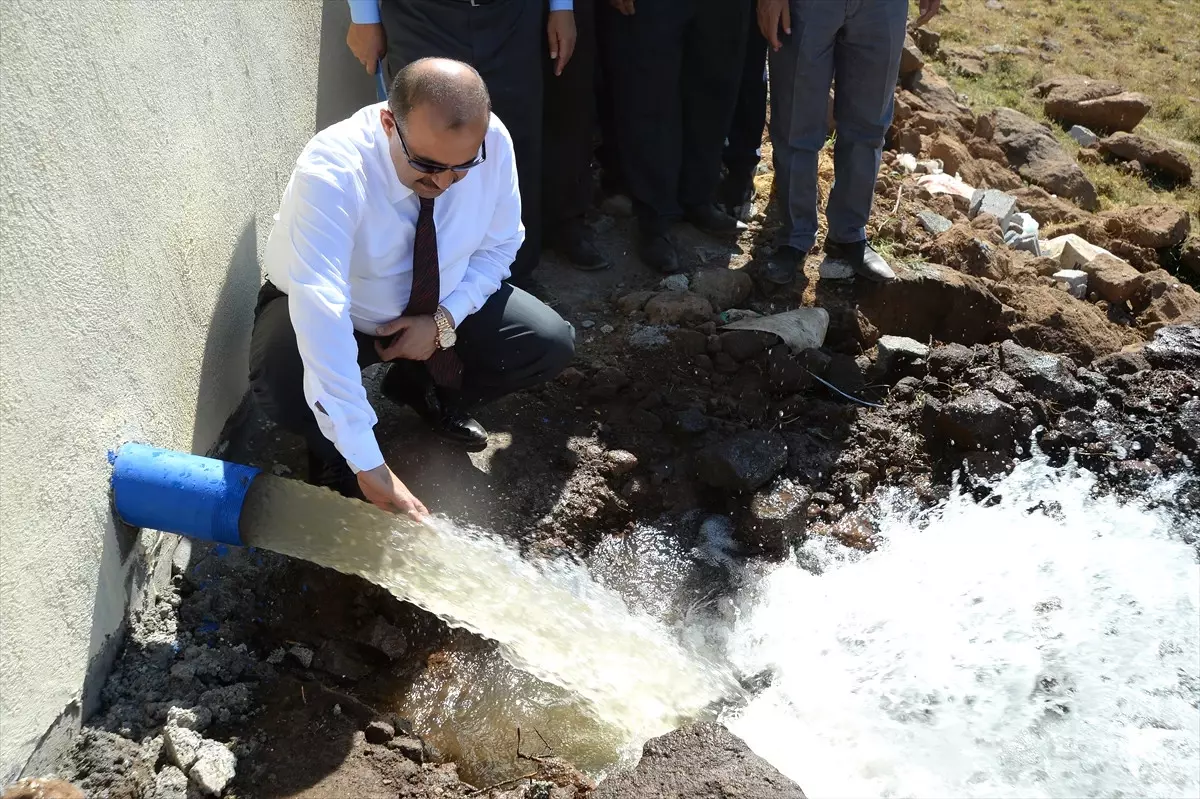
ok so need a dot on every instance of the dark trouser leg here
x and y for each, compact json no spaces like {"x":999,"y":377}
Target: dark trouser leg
{"x":714,"y":44}
{"x":801,"y":74}
{"x":277,"y":372}
{"x":513,"y":342}
{"x":868,"y":60}
{"x":646,"y":55}
{"x":744,"y":141}
{"x":506,"y":42}
{"x":570,"y":121}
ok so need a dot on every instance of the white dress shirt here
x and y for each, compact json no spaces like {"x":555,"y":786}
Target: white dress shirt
{"x":341,"y":249}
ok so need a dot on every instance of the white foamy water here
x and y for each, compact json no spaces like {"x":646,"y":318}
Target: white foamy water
{"x":984,"y":650}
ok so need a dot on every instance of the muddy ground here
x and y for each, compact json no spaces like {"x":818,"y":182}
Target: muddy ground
{"x":300,"y":669}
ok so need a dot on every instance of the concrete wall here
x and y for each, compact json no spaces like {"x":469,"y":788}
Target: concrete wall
{"x":144,"y":148}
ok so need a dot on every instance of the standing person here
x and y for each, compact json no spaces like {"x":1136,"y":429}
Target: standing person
{"x":506,"y":41}
{"x":392,"y":240}
{"x":814,"y":42}
{"x":675,"y":71}
{"x":567,"y":132}
{"x":743,"y":144}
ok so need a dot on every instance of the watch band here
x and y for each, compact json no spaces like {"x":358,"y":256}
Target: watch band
{"x":442,"y":321}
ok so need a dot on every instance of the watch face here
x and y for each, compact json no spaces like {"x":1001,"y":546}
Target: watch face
{"x":448,"y":337}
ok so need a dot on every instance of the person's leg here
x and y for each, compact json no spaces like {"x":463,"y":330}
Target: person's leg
{"x":646,"y":56}
{"x":801,"y":73}
{"x":417,"y":29}
{"x":513,"y":342}
{"x":277,"y":385}
{"x":569,"y":124}
{"x":867,"y":56}
{"x":744,"y":141}
{"x":714,"y":47}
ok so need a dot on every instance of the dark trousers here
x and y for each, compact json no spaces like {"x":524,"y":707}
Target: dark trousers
{"x":570,"y":121}
{"x":744,"y":141}
{"x":506,"y":41}
{"x":513,"y":342}
{"x":675,"y":68}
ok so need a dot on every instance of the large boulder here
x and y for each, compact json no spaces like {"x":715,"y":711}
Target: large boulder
{"x":1154,"y":226}
{"x":1097,"y":104}
{"x":704,"y":761}
{"x":1148,"y":153}
{"x":1112,"y":279}
{"x":1039,"y":158}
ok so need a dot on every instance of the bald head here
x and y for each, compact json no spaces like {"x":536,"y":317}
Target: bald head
{"x":453,"y":92}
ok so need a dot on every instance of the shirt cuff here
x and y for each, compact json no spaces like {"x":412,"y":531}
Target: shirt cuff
{"x":366,"y":12}
{"x":361,"y":452}
{"x":459,"y":305}
{"x":562,"y":5}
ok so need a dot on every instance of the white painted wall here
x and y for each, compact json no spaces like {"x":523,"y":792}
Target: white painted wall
{"x":143,"y":148}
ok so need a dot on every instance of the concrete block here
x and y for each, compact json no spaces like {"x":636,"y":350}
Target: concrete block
{"x":1076,"y":281}
{"x":992,"y":201}
{"x":934,"y":223}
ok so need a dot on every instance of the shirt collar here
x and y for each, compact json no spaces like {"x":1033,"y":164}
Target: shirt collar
{"x":397,"y":191}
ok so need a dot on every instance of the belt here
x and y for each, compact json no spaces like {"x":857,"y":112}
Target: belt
{"x":472,"y":3}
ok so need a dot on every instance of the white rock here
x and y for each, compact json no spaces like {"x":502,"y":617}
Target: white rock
{"x":189,"y":718}
{"x":215,"y":767}
{"x":606,"y":329}
{"x":182,"y":745}
{"x":1071,"y":251}
{"x":675,"y":283}
{"x":892,"y":347}
{"x":1076,"y":281}
{"x":907,"y":162}
{"x":170,"y":783}
{"x":1083,"y":136}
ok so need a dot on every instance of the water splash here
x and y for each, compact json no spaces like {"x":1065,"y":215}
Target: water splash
{"x":1043,"y":643}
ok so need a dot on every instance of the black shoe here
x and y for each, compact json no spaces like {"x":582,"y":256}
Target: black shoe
{"x":442,"y":417}
{"x":863,"y":258}
{"x":781,"y":268}
{"x":713,"y":220}
{"x":333,"y":474}
{"x":656,"y":251}
{"x":737,"y":189}
{"x":576,"y":242}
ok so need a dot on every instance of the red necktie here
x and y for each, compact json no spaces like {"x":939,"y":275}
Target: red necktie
{"x":444,"y":366}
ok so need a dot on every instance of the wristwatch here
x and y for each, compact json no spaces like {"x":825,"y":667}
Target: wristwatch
{"x":446,"y":335}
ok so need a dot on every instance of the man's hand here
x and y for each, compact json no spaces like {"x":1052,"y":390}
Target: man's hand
{"x":561,"y":33}
{"x":416,"y":338}
{"x":624,"y":6}
{"x":368,"y":44}
{"x":928,"y":9}
{"x":773,"y":16}
{"x":385,"y":490}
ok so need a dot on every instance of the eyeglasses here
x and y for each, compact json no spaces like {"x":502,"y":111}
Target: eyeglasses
{"x":433,"y":168}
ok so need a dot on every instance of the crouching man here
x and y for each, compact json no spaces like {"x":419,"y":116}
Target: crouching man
{"x":391,"y":243}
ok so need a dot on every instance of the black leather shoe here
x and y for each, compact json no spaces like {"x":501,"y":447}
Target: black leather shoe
{"x":713,"y":220}
{"x":657,"y":251}
{"x":863,"y":258}
{"x":781,"y":268}
{"x":333,"y":474}
{"x":442,"y":417}
{"x":576,"y":242}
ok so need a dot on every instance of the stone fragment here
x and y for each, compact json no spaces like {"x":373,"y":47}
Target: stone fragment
{"x":379,"y":732}
{"x":991,"y":201}
{"x":1153,"y":226}
{"x":215,"y":767}
{"x":894,"y":349}
{"x":1149,"y":153}
{"x":1045,"y":375}
{"x":1099,"y":104}
{"x":675,"y":283}
{"x":775,"y":515}
{"x":620,"y":461}
{"x":723,"y":288}
{"x":934,"y":223}
{"x":979,"y":420}
{"x":832,"y":269}
{"x":410,"y":747}
{"x":1076,"y":280}
{"x":678,"y":307}
{"x":334,"y":659}
{"x":911,"y":58}
{"x":170,"y":783}
{"x":950,"y":360}
{"x":1045,"y":207}
{"x":385,"y":638}
{"x":189,"y":718}
{"x":181,"y":745}
{"x":1111,"y":278}
{"x":1039,"y":158}
{"x":1083,"y":136}
{"x":929,"y":41}
{"x":744,"y":462}
{"x":302,"y":654}
{"x":951,"y":152}
{"x":1175,"y":347}
{"x":634,"y":302}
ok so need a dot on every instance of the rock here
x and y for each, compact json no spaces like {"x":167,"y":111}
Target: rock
{"x":1148,"y":153}
{"x":1051,"y":320}
{"x":986,"y":149}
{"x":1154,"y":226}
{"x":1111,"y":278}
{"x":952,"y":152}
{"x":678,"y":307}
{"x":1071,"y":251}
{"x":632,"y":303}
{"x":978,"y":420}
{"x":1165,"y":301}
{"x":831,"y":269}
{"x":379,"y":732}
{"x":1039,"y":158}
{"x":1175,"y":347}
{"x":911,"y":58}
{"x":1076,"y":280}
{"x":1045,"y":207}
{"x":302,"y":654}
{"x":334,"y":658}
{"x":1186,"y":428}
{"x":1099,"y":104}
{"x":993,"y":202}
{"x":675,"y":283}
{"x":950,"y":360}
{"x":724,"y":288}
{"x":410,"y":747}
{"x":965,"y":251}
{"x":994,"y":5}
{"x":1190,"y":257}
{"x":587,"y":324}
{"x":742,"y":345}
{"x":215,"y":768}
{"x":744,"y":462}
{"x":910,"y":142}
{"x":1045,"y":375}
{"x":385,"y":638}
{"x":703,"y":761}
{"x":1083,"y":136}
{"x":928,"y":41}
{"x":606,"y":329}
{"x":894,"y":349}
{"x":934,"y":223}
{"x":990,"y":175}
{"x":191,"y":718}
{"x":170,"y":783}
{"x":933,"y":90}
{"x":620,"y":461}
{"x":775,"y":514}
{"x":181,"y":745}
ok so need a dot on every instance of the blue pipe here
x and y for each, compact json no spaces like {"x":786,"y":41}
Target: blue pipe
{"x":180,"y":493}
